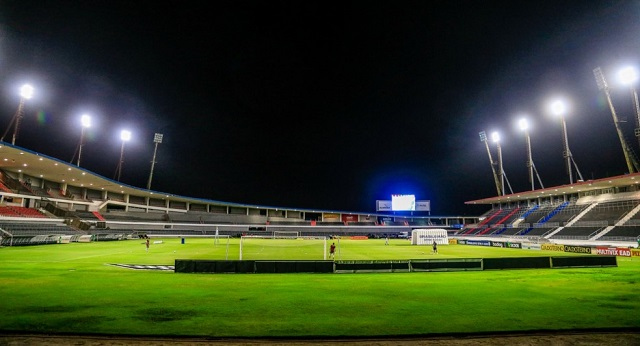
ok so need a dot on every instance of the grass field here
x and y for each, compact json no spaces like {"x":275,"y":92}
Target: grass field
{"x":70,"y":288}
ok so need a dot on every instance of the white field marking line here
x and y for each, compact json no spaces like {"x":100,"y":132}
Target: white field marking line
{"x":84,"y":257}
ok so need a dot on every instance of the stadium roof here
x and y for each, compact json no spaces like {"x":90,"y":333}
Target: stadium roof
{"x":33,"y":164}
{"x":579,"y":187}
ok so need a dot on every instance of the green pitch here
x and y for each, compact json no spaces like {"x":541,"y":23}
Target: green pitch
{"x":70,"y":288}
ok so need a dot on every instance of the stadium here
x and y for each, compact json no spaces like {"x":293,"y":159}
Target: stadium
{"x":284,"y":103}
{"x":85,"y":255}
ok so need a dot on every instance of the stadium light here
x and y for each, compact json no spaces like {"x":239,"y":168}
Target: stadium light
{"x":85,"y":120}
{"x":524,"y":126}
{"x":495,"y":137}
{"x":125,"y":136}
{"x":483,"y":138}
{"x":559,"y":108}
{"x":629,"y":155}
{"x":157,"y":139}
{"x":26,"y":93}
{"x":629,"y":76}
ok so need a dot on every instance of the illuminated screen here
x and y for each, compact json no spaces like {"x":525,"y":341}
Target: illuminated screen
{"x":403,"y":202}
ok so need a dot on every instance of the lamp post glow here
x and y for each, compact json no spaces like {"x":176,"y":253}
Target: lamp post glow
{"x":85,"y":120}
{"x":125,"y":136}
{"x":157,"y":139}
{"x":559,"y":108}
{"x":629,"y":76}
{"x":26,"y":92}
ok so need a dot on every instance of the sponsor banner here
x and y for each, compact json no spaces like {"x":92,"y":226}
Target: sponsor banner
{"x":462,"y":242}
{"x":383,"y":205}
{"x":423,"y":205}
{"x":453,"y":241}
{"x":359,"y":237}
{"x":635,"y":252}
{"x":498,"y":244}
{"x":479,"y":242}
{"x":330,"y":217}
{"x":349,"y":218}
{"x":613,"y":251}
{"x":552,"y":247}
{"x":531,"y":246}
{"x":428,"y":236}
{"x":514,"y":245}
{"x":577,"y":249}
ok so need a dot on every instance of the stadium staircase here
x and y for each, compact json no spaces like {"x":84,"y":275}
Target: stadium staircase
{"x":4,"y":188}
{"x":501,"y":222}
{"x":620,"y":222}
{"x":548,"y":217}
{"x":484,"y":222}
{"x":98,"y":216}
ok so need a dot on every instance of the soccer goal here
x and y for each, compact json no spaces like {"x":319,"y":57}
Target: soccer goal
{"x":291,"y":247}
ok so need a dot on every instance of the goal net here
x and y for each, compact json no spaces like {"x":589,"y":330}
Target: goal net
{"x":290,"y":247}
{"x":285,"y":234}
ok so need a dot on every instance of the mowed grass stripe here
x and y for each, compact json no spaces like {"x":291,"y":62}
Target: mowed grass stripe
{"x":48,"y":289}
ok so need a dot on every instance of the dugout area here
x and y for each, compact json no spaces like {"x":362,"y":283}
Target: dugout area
{"x":382,"y":266}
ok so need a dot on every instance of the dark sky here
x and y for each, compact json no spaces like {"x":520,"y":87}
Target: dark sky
{"x":319,"y":104}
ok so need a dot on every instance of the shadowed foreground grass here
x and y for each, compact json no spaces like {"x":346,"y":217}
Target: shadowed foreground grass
{"x":69,"y":288}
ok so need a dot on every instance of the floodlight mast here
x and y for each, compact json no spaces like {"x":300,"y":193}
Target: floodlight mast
{"x":495,"y":136}
{"x":559,"y":109}
{"x":630,"y":157}
{"x":124,"y":136}
{"x":524,"y":126}
{"x":26,"y":92}
{"x":483,"y":138}
{"x":629,"y":76}
{"x":157,"y":139}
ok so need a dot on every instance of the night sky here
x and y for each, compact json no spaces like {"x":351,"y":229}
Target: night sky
{"x":327,"y":105}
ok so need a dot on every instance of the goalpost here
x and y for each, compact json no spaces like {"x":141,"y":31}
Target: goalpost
{"x":283,"y":247}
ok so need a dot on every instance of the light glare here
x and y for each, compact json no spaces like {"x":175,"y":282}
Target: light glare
{"x":26,"y":91}
{"x":558,"y":107}
{"x":524,"y":124}
{"x":495,"y":136}
{"x":125,"y":135}
{"x":85,"y":120}
{"x":628,"y":75}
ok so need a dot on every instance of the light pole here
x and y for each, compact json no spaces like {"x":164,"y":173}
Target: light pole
{"x":629,"y":155}
{"x":559,"y":108}
{"x":628,"y":76}
{"x":26,"y":92}
{"x":125,"y":136}
{"x":85,"y":120}
{"x":496,"y":139}
{"x":524,"y":126}
{"x":157,"y":139}
{"x":483,"y":138}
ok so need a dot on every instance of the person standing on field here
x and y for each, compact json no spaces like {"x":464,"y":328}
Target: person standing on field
{"x":386,"y":240}
{"x":147,"y":244}
{"x":332,"y":251}
{"x":435,"y":247}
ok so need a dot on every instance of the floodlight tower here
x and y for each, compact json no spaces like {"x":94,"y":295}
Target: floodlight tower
{"x":559,"y":108}
{"x":483,"y":138}
{"x":157,"y":139}
{"x":26,"y":92}
{"x":524,"y":126}
{"x":629,"y":76}
{"x":629,"y":155}
{"x":85,"y":120}
{"x":125,"y":136}
{"x":495,"y":136}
